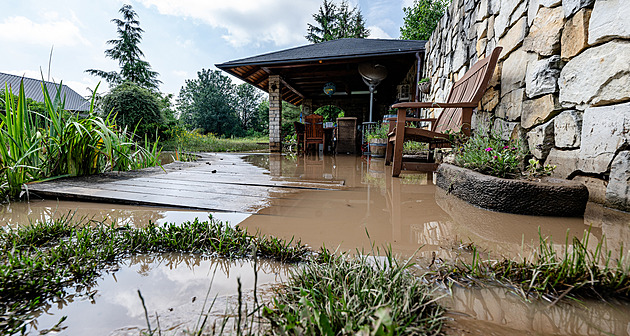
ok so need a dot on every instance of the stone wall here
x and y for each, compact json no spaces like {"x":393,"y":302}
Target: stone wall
{"x":562,"y":84}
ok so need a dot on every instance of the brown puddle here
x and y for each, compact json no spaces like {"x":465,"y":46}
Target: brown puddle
{"x":407,"y":213}
{"x":495,"y":311}
{"x":174,"y":287}
{"x":23,"y":213}
{"x":410,"y":213}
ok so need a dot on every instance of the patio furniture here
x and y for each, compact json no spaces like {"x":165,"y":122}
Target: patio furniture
{"x":456,"y":116}
{"x":346,"y":135}
{"x":300,"y":133}
{"x":314,"y":131}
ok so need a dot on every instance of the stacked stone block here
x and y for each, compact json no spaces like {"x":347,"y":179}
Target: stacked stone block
{"x":562,"y":83}
{"x":275,"y":114}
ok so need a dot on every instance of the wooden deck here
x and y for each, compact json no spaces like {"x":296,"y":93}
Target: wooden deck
{"x":221,"y":182}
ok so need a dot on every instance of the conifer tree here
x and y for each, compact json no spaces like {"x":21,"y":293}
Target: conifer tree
{"x":336,"y":21}
{"x":126,"y":50}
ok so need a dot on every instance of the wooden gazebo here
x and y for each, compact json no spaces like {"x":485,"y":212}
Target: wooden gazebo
{"x":298,"y":76}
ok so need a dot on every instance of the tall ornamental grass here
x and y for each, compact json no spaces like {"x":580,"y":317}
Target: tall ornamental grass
{"x":57,"y":143}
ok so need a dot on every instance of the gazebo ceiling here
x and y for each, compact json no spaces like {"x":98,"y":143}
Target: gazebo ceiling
{"x":305,"y":70}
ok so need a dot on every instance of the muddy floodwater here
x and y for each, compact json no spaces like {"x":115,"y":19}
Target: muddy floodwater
{"x":373,"y":211}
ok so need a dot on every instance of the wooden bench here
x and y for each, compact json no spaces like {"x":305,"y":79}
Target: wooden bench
{"x":456,"y":116}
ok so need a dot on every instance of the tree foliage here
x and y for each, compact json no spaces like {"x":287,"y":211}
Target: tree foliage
{"x":248,"y":100}
{"x":329,"y":112}
{"x":421,"y":18}
{"x":211,"y":102}
{"x":334,"y":21}
{"x":126,"y":50}
{"x":134,"y":106}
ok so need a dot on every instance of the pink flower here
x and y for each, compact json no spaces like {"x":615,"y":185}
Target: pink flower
{"x":506,"y":147}
{"x":489,"y":149}
{"x":494,"y":157}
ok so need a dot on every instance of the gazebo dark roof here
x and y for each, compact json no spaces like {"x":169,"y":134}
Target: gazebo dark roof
{"x":33,"y":90}
{"x":305,"y":69}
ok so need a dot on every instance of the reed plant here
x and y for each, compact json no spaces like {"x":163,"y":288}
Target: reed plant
{"x":56,"y":143}
{"x":19,"y":143}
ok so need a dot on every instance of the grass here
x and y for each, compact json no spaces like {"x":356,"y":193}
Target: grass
{"x":342,"y":295}
{"x":40,"y":261}
{"x":575,"y":272}
{"x":195,"y":142}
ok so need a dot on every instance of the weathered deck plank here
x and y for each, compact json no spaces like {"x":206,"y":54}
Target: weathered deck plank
{"x":216,"y":183}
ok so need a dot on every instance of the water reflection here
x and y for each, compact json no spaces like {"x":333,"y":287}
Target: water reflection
{"x":494,"y":311}
{"x":409,"y":212}
{"x":174,"y":287}
{"x":23,"y":213}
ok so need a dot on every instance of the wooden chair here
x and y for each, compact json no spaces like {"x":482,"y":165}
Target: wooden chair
{"x":300,"y":133}
{"x":314,"y":130}
{"x":458,"y":108}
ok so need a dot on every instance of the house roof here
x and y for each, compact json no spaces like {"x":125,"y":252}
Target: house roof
{"x":306,"y":69}
{"x":33,"y":90}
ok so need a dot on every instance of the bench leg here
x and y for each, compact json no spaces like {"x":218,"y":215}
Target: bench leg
{"x":389,"y":153}
{"x":398,"y":152}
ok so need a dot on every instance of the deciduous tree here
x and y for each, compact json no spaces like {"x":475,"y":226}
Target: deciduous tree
{"x":421,"y":18}
{"x":247,"y":102}
{"x":208,"y":102}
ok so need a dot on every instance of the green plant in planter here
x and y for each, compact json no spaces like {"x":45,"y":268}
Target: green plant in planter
{"x":491,"y":155}
{"x":379,"y":132}
{"x":537,"y":170}
{"x":424,"y":80}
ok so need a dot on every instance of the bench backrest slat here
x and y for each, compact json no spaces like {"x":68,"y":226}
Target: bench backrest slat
{"x":469,"y":89}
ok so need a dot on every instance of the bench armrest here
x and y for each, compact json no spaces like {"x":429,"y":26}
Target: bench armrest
{"x":432,"y":105}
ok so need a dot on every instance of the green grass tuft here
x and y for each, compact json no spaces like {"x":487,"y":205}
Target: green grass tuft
{"x":345,"y":295}
{"x":43,"y":259}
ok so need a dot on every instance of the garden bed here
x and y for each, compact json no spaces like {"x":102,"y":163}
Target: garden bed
{"x":544,"y":197}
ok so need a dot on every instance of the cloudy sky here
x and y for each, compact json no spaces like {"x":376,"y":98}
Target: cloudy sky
{"x":181,"y":36}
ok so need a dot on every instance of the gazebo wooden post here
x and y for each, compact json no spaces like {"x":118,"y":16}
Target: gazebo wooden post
{"x":275,"y":114}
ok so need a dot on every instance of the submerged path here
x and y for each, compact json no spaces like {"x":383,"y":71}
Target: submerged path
{"x":217,"y":182}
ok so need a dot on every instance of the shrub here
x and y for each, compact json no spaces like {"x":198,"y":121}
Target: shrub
{"x":134,"y":106}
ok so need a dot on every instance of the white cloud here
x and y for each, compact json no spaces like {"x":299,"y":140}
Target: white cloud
{"x":407,"y":3}
{"x":282,"y":22}
{"x":378,"y":33}
{"x":61,"y":32}
{"x":180,"y":73}
{"x":81,"y":87}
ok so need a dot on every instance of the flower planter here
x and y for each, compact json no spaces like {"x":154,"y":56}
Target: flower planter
{"x":547,"y":197}
{"x":378,"y":147}
{"x":425,"y":87}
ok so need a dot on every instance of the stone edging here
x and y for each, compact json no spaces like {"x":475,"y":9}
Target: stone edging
{"x":549,"y":197}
